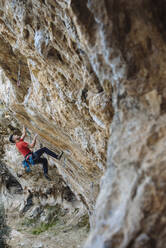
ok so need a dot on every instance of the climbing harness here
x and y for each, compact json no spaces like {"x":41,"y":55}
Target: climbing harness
{"x":26,"y":165}
{"x":19,"y":75}
{"x":29,"y":160}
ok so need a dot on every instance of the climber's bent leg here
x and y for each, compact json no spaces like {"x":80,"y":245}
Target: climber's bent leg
{"x":47,"y":151}
{"x":44,"y":162}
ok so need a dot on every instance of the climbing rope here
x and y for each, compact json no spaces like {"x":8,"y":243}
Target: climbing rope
{"x":64,"y":163}
{"x":19,"y":75}
{"x":8,"y":96}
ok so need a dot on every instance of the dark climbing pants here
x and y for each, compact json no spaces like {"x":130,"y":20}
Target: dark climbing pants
{"x":37,"y":157}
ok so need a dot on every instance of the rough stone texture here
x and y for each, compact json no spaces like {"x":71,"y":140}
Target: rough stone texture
{"x":37,"y":212}
{"x":130,"y":210}
{"x":60,"y":96}
{"x":86,"y":66}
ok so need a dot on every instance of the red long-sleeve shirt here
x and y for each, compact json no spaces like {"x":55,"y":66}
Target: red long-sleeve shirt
{"x":22,"y":146}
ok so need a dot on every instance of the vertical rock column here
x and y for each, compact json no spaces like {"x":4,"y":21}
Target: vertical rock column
{"x":130,"y":209}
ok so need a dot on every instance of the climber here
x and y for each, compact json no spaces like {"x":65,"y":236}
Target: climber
{"x":32,"y":157}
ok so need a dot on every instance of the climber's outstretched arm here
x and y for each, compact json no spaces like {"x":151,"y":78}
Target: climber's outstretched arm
{"x":32,"y":145}
{"x":23,"y":133}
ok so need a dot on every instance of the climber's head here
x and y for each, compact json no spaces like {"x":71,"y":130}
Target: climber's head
{"x":14,"y":138}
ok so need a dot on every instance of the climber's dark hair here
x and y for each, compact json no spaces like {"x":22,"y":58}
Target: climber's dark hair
{"x":11,"y":138}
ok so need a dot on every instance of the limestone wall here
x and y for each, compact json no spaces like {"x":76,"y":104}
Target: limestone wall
{"x":93,"y":85}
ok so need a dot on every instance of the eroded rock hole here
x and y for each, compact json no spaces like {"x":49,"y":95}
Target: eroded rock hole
{"x":159,"y":12}
{"x":54,"y":54}
{"x":132,"y":69}
{"x":84,"y":94}
{"x":14,"y":21}
{"x":149,"y":43}
{"x":68,"y":195}
{"x":26,"y":34}
{"x":28,"y":20}
{"x":9,"y":181}
{"x":81,"y":10}
{"x":4,"y":229}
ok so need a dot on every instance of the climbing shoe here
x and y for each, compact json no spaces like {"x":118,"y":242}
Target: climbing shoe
{"x":59,"y":156}
{"x":47,"y":177}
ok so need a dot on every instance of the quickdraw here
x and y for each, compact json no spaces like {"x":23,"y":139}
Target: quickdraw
{"x":29,"y":134}
{"x":19,"y":75}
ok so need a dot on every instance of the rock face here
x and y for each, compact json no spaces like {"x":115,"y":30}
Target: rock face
{"x":59,"y":95}
{"x":92,"y":83}
{"x":130,"y":210}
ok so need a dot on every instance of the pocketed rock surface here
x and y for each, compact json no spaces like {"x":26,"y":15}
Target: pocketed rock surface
{"x":92,"y":83}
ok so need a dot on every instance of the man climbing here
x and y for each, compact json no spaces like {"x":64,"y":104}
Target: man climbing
{"x":33,"y":157}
